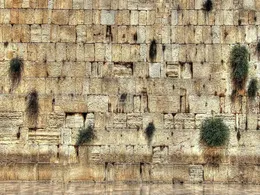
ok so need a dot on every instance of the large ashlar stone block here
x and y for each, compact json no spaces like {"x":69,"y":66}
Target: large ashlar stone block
{"x":251,"y":34}
{"x":97,"y":103}
{"x":60,"y":17}
{"x":164,"y":104}
{"x":107,"y":17}
{"x":155,"y":70}
{"x":67,"y":34}
{"x":249,"y":4}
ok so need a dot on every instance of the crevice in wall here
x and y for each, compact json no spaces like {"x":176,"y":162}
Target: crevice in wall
{"x":109,"y":34}
{"x":153,"y":50}
{"x":18,"y":134}
{"x":58,"y":152}
{"x":135,"y":37}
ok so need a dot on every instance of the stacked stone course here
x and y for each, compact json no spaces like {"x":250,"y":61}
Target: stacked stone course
{"x":82,"y":56}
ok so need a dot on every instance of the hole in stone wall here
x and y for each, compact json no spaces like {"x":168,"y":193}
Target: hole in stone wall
{"x":163,"y":47}
{"x":141,"y":168}
{"x":6,"y":44}
{"x":153,"y":50}
{"x":18,"y":134}
{"x":238,"y":135}
{"x":58,"y":151}
{"x":123,"y":97}
{"x":135,"y":37}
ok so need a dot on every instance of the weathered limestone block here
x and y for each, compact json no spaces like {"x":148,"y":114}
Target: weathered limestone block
{"x":63,"y":4}
{"x":140,"y":69}
{"x":60,"y":52}
{"x":107,"y":17}
{"x":184,"y":121}
{"x":126,"y":85}
{"x":168,"y":121}
{"x":162,"y":173}
{"x":67,"y":34}
{"x":78,"y":4}
{"x":249,"y":4}
{"x":155,"y":70}
{"x":134,"y":121}
{"x":198,"y":73}
{"x":76,"y":17}
{"x":251,"y":34}
{"x":74,"y":121}
{"x":119,"y":121}
{"x":204,"y":104}
{"x":60,"y":17}
{"x":126,"y":172}
{"x":160,"y":154}
{"x":97,"y":103}
{"x":123,"y":69}
{"x":36,"y":33}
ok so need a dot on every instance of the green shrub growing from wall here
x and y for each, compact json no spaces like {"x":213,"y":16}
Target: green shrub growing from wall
{"x":149,"y":131}
{"x":208,"y":5}
{"x":258,"y":47}
{"x":15,"y":70}
{"x":214,"y":132}
{"x":239,"y":66}
{"x":32,"y":105}
{"x":85,"y":135}
{"x":252,"y":88}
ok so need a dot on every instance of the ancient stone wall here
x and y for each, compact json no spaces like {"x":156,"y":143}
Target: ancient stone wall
{"x":120,"y":65}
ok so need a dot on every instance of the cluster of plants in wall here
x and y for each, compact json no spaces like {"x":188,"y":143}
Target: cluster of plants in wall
{"x":214,"y":132}
{"x":15,"y":71}
{"x":149,"y":132}
{"x":208,"y":5}
{"x":32,"y":106}
{"x":86,"y":135}
{"x":239,"y":67}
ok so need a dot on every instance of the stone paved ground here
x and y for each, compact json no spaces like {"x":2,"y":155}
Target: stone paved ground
{"x":134,"y":189}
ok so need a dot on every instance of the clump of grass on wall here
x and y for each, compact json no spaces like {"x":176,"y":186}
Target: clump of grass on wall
{"x":252,"y":88}
{"x":85,"y":135}
{"x":149,"y":132}
{"x":15,"y":70}
{"x":214,"y":132}
{"x":153,"y":50}
{"x":32,"y":106}
{"x":208,"y":5}
{"x":239,"y":66}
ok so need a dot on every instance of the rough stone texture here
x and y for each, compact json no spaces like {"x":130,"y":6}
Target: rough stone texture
{"x":90,"y":62}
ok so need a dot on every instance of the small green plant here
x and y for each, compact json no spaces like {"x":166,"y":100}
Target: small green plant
{"x":239,"y":66}
{"x":149,"y":131}
{"x":153,"y":50}
{"x":252,"y":88}
{"x":208,"y":5}
{"x":85,"y":135}
{"x":214,"y":132}
{"x":32,"y":105}
{"x":15,"y":70}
